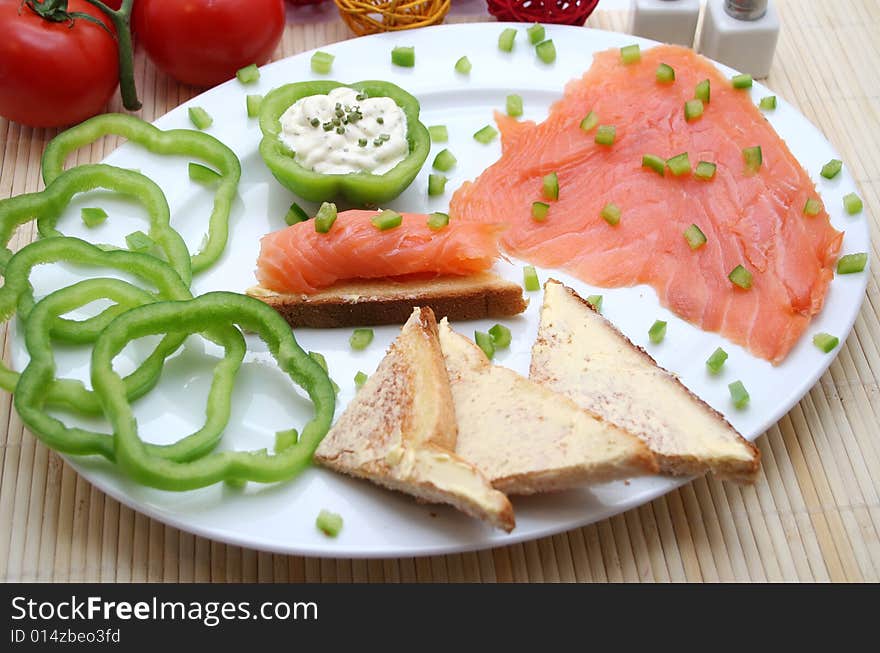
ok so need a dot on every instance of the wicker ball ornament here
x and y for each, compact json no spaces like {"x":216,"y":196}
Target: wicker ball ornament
{"x":565,"y":12}
{"x":371,"y":16}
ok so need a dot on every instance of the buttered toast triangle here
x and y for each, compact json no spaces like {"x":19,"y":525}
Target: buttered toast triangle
{"x":400,"y":430}
{"x":526,"y":438}
{"x":582,"y":355}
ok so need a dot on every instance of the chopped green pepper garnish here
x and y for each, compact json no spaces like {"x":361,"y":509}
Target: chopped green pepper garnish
{"x":741,"y":277}
{"x":463,"y":66}
{"x":716,"y":361}
{"x":539,"y":211}
{"x":386,"y":220}
{"x":657,"y":332}
{"x":484,"y":342}
{"x":506,"y":38}
{"x":138,"y":241}
{"x":741,"y":81}
{"x":248,"y":74}
{"x":703,"y":91}
{"x":826,"y":342}
{"x":679,"y":165}
{"x":253,"y":103}
{"x":439,"y":133}
{"x":200,"y":118}
{"x":630,"y":54}
{"x":404,"y":56}
{"x":514,"y":106}
{"x":437,"y":220}
{"x":610,"y":213}
{"x":768,"y":103}
{"x":325,"y":217}
{"x":500,"y":336}
{"x":359,"y":379}
{"x":753,"y":158}
{"x":596,"y":302}
{"x":812,"y":207}
{"x":536,"y":33}
{"x":486,"y":135}
{"x":738,"y":394}
{"x":655,"y":163}
{"x":295,"y":214}
{"x":445,"y":161}
{"x":322,"y":62}
{"x":530,"y":278}
{"x":203,"y":174}
{"x":832,"y":168}
{"x":546,"y":51}
{"x":285,"y":439}
{"x":551,"y":186}
{"x":92,"y":217}
{"x":436,"y":185}
{"x":705,"y":170}
{"x":329,"y":523}
{"x":852,"y":203}
{"x":606,"y":134}
{"x":693,"y":109}
{"x":852,"y":263}
{"x":694,"y":237}
{"x":665,"y":73}
{"x":589,"y":122}
{"x":360,"y":339}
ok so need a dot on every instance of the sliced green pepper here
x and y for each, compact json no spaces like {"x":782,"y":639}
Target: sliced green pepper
{"x":358,"y":188}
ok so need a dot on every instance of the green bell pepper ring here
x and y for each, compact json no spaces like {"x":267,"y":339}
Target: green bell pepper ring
{"x":190,"y":316}
{"x":48,"y":205}
{"x":187,"y":142}
{"x":359,"y":188}
{"x":30,"y":395}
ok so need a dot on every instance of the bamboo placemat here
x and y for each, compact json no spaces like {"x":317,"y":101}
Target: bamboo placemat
{"x":813,"y":515}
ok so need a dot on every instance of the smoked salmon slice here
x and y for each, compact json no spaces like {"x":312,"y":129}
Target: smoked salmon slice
{"x":753,"y":219}
{"x":298,"y":259}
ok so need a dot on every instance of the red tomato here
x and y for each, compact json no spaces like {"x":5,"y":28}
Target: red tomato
{"x":53,"y":74}
{"x":203,"y":42}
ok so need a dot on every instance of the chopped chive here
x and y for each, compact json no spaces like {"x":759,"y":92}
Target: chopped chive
{"x":704,"y":170}
{"x":463,"y":66}
{"x":329,"y":523}
{"x":738,"y":394}
{"x":285,"y":439}
{"x":657,"y":332}
{"x":500,"y":336}
{"x":359,"y":379}
{"x":665,"y":73}
{"x":716,"y":361}
{"x":551,"y":186}
{"x":514,"y":106}
{"x":200,"y":118}
{"x":386,"y":220}
{"x":138,"y":241}
{"x":753,"y":158}
{"x":693,"y":109}
{"x":436,"y":185}
{"x":741,"y":81}
{"x":92,"y":217}
{"x":322,"y":62}
{"x":325,"y":217}
{"x":530,"y":278}
{"x":610,"y":213}
{"x":589,"y":122}
{"x":254,"y":102}
{"x":596,"y":302}
{"x":694,"y":237}
{"x":404,"y":56}
{"x":852,"y":203}
{"x":445,"y":161}
{"x":380,"y":120}
{"x":437,"y":220}
{"x":605,"y":134}
{"x":832,"y":168}
{"x":340,"y":130}
{"x":741,"y":277}
{"x":826,"y":342}
{"x":248,"y":74}
{"x":655,"y":163}
{"x":703,"y":91}
{"x":852,"y":263}
{"x":679,"y":164}
{"x":536,"y":33}
{"x":360,"y":339}
{"x":439,"y":133}
{"x":484,"y":341}
{"x":505,"y":39}
{"x":295,"y":214}
{"x":768,"y":103}
{"x":539,"y":211}
{"x":630,"y":54}
{"x":362,"y":142}
{"x":203,"y":174}
{"x":812,"y":207}
{"x":486,"y":135}
{"x":546,"y":51}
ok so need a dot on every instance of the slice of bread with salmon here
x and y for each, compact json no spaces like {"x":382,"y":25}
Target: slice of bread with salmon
{"x":400,"y":430}
{"x":526,"y":438}
{"x":581,"y":355}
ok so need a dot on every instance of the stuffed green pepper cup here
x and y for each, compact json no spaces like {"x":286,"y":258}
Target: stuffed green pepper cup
{"x":360,"y":142}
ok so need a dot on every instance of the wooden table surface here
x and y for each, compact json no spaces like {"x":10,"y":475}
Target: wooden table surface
{"x":813,"y":515}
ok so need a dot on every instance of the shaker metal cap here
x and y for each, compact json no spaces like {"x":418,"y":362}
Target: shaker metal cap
{"x":746,"y":9}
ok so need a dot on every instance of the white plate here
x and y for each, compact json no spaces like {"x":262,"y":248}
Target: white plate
{"x":281,"y":517}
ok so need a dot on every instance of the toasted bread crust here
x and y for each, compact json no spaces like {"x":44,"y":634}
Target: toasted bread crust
{"x":389,"y":301}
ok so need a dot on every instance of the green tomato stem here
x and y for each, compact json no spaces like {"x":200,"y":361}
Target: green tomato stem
{"x":121,"y":20}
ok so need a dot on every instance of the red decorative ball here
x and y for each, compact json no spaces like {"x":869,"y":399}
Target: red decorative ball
{"x":565,"y":12}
